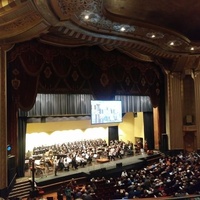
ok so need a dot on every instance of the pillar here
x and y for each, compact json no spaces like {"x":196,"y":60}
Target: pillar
{"x":197,"y":107}
{"x":174,"y":104}
{"x":3,"y":123}
{"x":156,"y":128}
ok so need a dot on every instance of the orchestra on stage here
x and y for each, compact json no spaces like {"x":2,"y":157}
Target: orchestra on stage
{"x":71,"y":155}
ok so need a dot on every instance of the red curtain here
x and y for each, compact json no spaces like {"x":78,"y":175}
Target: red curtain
{"x":35,"y":67}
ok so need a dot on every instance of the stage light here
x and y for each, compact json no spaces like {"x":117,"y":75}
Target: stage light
{"x":9,"y":148}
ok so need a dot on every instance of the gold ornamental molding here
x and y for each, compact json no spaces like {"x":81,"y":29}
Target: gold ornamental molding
{"x":66,"y":9}
{"x":19,"y":21}
{"x":87,"y":22}
{"x":6,"y":4}
{"x":19,"y":25}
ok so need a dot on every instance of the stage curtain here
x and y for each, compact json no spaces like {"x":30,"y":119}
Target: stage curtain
{"x":79,"y":104}
{"x":61,"y":104}
{"x":135,"y":103}
{"x":148,"y":129}
{"x":102,"y":85}
{"x":23,"y":87}
{"x":39,"y":68}
{"x":21,"y":145}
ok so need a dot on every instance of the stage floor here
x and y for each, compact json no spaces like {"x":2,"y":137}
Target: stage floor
{"x":95,"y":166}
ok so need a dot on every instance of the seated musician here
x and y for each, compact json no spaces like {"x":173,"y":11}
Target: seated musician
{"x":74,"y":163}
{"x":137,"y":149}
{"x":81,"y":161}
{"x":69,"y":158}
{"x":88,"y":157}
{"x":61,"y":164}
{"x":66,"y":162}
{"x":95,"y":155}
{"x":39,"y":167}
{"x":121,"y":153}
{"x":49,"y":161}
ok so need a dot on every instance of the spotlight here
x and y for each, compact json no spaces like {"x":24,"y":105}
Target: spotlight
{"x":9,"y":148}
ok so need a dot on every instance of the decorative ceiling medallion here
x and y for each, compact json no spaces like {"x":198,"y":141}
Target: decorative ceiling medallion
{"x":96,"y":20}
{"x":155,"y":35}
{"x":123,"y":27}
{"x":69,"y":7}
{"x":174,"y":43}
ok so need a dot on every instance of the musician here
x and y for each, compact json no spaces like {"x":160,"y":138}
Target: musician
{"x":88,"y":156}
{"x":74,"y":163}
{"x":111,"y":153}
{"x":145,"y":146}
{"x":55,"y":166}
{"x":39,"y":167}
{"x":66,"y":162}
{"x":121,"y":153}
{"x":61,"y":164}
{"x":82,"y":162}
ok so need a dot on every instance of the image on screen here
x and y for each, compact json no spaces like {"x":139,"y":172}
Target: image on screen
{"x":106,"y":112}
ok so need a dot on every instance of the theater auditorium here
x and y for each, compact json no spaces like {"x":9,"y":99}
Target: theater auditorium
{"x":93,"y":88}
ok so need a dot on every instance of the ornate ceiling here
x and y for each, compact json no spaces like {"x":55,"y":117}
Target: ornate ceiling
{"x":148,"y":30}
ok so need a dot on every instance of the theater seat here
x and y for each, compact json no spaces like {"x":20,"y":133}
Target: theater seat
{"x":49,"y":198}
{"x":41,"y":193}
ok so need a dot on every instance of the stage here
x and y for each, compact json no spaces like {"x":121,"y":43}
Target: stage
{"x":97,"y":169}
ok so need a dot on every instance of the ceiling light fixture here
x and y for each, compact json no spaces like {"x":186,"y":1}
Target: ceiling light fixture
{"x":174,"y":43}
{"x":86,"y":17}
{"x":155,"y":35}
{"x":123,"y":28}
{"x":192,"y":48}
{"x":90,"y":17}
